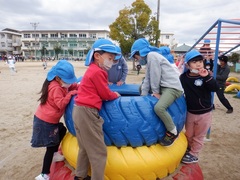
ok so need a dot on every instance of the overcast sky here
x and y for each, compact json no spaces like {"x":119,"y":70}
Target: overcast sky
{"x":187,"y":19}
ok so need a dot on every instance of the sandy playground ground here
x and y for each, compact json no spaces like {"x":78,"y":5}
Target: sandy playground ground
{"x":219,"y":159}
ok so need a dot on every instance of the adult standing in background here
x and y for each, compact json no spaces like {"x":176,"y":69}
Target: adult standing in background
{"x":223,"y":71}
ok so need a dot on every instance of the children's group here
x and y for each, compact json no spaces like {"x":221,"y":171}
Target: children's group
{"x":164,"y":80}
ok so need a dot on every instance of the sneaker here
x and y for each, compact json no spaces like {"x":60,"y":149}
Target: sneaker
{"x":229,"y":111}
{"x":58,"y":157}
{"x":189,"y":158}
{"x":168,"y":139}
{"x":42,"y":177}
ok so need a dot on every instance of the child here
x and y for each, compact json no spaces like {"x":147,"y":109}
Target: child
{"x":197,"y":85}
{"x":92,"y":90}
{"x":55,"y":95}
{"x":162,"y":81}
{"x":11,"y":64}
{"x":44,"y":64}
{"x":118,"y":73}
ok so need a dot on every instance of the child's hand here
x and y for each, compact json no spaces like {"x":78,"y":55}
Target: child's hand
{"x":117,"y":94}
{"x":73,"y":92}
{"x":203,"y":72}
{"x":156,"y":95}
{"x":119,"y":83}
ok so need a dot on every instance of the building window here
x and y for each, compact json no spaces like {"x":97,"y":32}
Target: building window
{"x":45,"y":35}
{"x":9,"y":36}
{"x":92,"y":35}
{"x":54,"y":35}
{"x":72,"y":45}
{"x":35,"y":35}
{"x":82,"y":35}
{"x":81,"y":54}
{"x":63,"y":35}
{"x":26,"y":36}
{"x":26,"y":44}
{"x":72,"y":35}
{"x":167,"y":36}
{"x":3,"y":44}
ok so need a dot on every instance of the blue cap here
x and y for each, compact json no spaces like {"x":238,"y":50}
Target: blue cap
{"x":207,"y":41}
{"x":166,"y":52}
{"x":64,"y":70}
{"x":119,"y":52}
{"x":139,"y":45}
{"x":192,"y":54}
{"x":100,"y":45}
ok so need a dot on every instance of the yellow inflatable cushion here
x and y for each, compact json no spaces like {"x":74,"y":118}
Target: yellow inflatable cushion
{"x":128,"y":163}
{"x":232,"y":79}
{"x":232,"y":87}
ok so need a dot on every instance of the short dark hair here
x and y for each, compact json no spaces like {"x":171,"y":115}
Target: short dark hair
{"x":136,"y":53}
{"x":223,"y":58}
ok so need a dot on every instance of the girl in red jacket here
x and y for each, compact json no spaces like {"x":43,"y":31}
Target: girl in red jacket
{"x":48,"y":131}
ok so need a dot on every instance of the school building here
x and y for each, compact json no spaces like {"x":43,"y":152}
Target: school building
{"x":74,"y":43}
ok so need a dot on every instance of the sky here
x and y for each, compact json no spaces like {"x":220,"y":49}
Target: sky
{"x":187,"y":19}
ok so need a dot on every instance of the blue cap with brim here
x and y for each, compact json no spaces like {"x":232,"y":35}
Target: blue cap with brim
{"x":64,"y":70}
{"x":192,"y":54}
{"x":120,"y":53}
{"x":100,"y":45}
{"x":141,"y":45}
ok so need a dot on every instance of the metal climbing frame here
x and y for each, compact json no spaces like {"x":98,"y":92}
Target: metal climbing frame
{"x":224,"y":42}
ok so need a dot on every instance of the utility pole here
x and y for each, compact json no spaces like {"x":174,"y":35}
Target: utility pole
{"x":34,"y":25}
{"x":158,"y":19}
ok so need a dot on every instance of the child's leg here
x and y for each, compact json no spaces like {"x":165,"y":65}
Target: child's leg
{"x":82,"y":158}
{"x":202,"y":124}
{"x":167,"y":97}
{"x":189,"y":127}
{"x":48,"y":159}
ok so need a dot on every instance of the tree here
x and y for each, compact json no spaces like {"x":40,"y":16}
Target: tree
{"x":57,"y":50}
{"x":132,"y":24}
{"x":234,"y":57}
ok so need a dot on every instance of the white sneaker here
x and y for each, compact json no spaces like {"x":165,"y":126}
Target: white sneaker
{"x":58,"y":157}
{"x":42,"y":177}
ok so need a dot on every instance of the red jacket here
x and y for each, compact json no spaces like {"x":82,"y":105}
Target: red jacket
{"x":93,"y":88}
{"x":58,"y":98}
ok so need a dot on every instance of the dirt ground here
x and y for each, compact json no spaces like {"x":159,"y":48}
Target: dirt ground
{"x":219,"y":159}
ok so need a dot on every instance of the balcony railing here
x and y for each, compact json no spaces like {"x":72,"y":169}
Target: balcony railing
{"x":15,"y":44}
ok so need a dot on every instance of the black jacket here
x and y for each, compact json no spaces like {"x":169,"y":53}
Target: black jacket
{"x":197,"y":92}
{"x":222,"y":74}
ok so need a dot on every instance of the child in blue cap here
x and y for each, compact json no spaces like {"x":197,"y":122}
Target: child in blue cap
{"x":118,"y":73}
{"x":162,"y":81}
{"x":92,"y":90}
{"x":198,"y":85}
{"x":57,"y":90}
